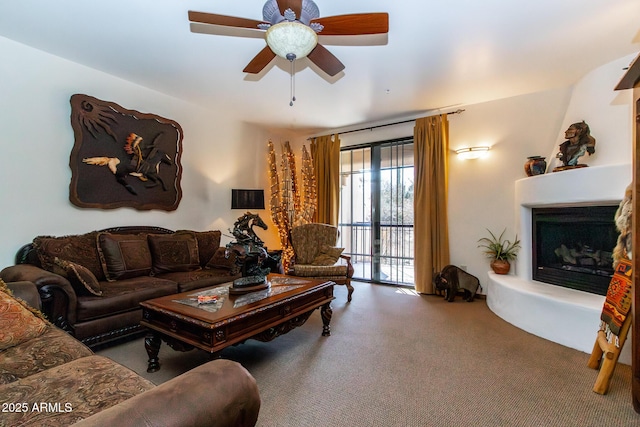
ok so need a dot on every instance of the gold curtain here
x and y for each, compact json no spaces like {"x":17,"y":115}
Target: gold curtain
{"x":325,"y":151}
{"x":431,"y":142}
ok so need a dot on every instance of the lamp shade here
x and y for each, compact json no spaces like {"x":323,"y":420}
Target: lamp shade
{"x":291,"y":40}
{"x":247,"y":199}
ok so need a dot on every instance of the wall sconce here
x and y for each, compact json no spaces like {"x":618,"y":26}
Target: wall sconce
{"x":247,"y":199}
{"x":472,"y":152}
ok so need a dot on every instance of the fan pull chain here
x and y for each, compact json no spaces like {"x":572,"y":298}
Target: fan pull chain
{"x":292,"y":89}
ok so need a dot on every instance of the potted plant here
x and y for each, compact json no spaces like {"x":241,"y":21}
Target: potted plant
{"x":501,"y":251}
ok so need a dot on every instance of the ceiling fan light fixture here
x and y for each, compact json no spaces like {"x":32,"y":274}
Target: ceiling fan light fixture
{"x":291,"y":38}
{"x":308,"y":11}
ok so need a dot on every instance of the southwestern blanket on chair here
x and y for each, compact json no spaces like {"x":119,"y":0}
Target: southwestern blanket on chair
{"x":618,"y":301}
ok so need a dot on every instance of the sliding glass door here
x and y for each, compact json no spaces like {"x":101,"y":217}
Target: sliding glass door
{"x":376,"y":210}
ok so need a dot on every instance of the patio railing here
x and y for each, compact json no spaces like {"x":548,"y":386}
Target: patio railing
{"x":396,"y":254}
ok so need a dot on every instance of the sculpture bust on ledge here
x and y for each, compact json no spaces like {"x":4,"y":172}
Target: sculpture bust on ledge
{"x":579,"y":142}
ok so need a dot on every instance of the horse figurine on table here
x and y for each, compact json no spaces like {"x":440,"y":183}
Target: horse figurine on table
{"x":243,"y":229}
{"x":249,"y":250}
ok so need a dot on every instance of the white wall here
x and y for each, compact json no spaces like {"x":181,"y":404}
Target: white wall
{"x":481,"y":192}
{"x":219,"y":152}
{"x":608,"y":113}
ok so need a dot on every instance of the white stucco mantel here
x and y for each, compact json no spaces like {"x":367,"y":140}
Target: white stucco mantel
{"x":566,"y":316}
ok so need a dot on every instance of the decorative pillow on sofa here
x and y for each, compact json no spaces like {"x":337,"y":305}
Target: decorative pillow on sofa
{"x":220,"y":261}
{"x":328,"y":255}
{"x":124,"y":256}
{"x":208,"y":243}
{"x":18,"y":323}
{"x":81,"y":249}
{"x":174,"y":252}
{"x":79,"y":274}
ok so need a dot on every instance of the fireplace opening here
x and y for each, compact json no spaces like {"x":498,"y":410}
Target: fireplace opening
{"x":573,"y":246}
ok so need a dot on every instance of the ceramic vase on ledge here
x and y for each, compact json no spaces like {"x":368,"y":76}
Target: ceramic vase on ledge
{"x":500,"y":266}
{"x":535,"y":165}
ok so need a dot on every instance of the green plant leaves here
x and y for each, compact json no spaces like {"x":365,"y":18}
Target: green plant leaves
{"x":500,"y":248}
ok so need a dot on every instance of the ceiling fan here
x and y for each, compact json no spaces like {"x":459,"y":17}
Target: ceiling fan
{"x":291,"y":31}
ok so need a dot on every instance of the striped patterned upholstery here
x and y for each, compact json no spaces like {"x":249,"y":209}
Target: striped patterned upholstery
{"x":307,"y":241}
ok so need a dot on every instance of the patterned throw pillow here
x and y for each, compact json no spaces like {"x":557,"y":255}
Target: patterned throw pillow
{"x":18,"y":323}
{"x":79,"y":274}
{"x":174,"y":252}
{"x":208,"y":243}
{"x":81,"y":249}
{"x":124,"y":256}
{"x":221,"y":261}
{"x":328,"y":255}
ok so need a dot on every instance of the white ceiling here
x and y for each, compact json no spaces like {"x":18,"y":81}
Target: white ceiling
{"x":439,"y":54}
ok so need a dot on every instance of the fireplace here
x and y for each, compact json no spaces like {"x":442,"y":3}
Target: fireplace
{"x":557,"y":313}
{"x":572,"y":246}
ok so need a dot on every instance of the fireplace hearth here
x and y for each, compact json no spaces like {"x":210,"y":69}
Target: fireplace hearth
{"x":557,"y":313}
{"x":572,"y":246}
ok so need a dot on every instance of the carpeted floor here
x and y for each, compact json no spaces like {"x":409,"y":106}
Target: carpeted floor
{"x":398,"y":359}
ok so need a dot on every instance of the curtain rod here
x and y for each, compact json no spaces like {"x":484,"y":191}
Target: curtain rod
{"x":459,"y":111}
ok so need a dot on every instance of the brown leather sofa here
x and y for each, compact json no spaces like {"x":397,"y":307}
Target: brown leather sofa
{"x":91,"y":284}
{"x":49,"y":378}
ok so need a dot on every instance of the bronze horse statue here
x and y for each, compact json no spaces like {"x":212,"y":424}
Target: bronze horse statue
{"x":243,"y":229}
{"x":248,"y":247}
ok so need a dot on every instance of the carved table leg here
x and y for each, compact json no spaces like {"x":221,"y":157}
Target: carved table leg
{"x":349,"y":291}
{"x":152,"y":345}
{"x":326,"y":313}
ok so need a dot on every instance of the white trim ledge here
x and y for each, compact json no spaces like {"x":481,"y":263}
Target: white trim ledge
{"x":534,"y":307}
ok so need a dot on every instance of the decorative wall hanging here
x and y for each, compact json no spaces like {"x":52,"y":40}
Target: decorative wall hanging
{"x":123,"y":157}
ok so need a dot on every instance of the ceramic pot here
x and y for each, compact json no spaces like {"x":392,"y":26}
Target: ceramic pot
{"x":535,"y":165}
{"x":500,"y":266}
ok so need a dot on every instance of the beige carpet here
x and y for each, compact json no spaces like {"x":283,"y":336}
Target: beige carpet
{"x":398,"y":359}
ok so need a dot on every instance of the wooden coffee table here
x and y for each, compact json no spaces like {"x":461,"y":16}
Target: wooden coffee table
{"x":262,"y":315}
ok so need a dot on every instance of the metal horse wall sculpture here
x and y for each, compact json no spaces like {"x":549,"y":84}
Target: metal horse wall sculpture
{"x":123,"y":157}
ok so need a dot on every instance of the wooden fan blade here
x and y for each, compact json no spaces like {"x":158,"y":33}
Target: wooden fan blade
{"x":261,"y":60}
{"x":295,"y":5}
{"x":227,"y":21}
{"x":354,"y":24}
{"x":325,"y":60}
{"x":219,"y":30}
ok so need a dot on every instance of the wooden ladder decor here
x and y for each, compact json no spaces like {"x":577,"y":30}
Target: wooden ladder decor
{"x":605,"y":356}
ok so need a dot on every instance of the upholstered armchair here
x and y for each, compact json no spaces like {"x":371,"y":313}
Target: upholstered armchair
{"x":317,"y":257}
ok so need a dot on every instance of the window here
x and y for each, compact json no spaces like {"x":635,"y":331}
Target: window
{"x":376,"y":210}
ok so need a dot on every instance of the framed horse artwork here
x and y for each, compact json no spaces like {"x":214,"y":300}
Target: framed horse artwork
{"x":123,"y":158}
